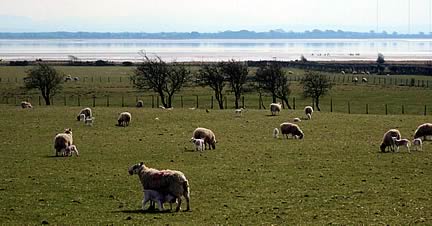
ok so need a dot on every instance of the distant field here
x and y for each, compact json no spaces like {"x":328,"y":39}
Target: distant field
{"x":111,"y":86}
{"x":336,"y":175}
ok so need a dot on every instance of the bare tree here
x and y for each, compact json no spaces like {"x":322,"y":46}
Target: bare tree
{"x":315,"y":85}
{"x":164,"y":79}
{"x":236,"y":73}
{"x":45,"y":78}
{"x":212,"y":75}
{"x":271,"y":78}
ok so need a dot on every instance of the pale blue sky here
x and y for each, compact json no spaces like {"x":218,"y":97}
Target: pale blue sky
{"x":212,"y":16}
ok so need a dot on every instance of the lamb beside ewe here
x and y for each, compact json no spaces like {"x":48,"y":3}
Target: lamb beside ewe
{"x":70,"y":150}
{"x":275,"y":133}
{"x":423,"y":131}
{"x":208,"y":136}
{"x":308,"y":112}
{"x":417,"y":144}
{"x":62,"y":141}
{"x":26,"y":104}
{"x":159,"y":198}
{"x":388,"y":140}
{"x":275,"y":108}
{"x":199,"y":144}
{"x":164,"y":181}
{"x":293,"y":129}
{"x":401,"y":142}
{"x":86,"y":111}
{"x":124,"y":119}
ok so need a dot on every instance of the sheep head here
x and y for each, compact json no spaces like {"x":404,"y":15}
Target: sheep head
{"x":135,"y":169}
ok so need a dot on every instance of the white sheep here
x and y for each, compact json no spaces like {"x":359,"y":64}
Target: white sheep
{"x":297,"y":120}
{"x":275,"y":108}
{"x":198,"y":143}
{"x":25,"y":104}
{"x":364,"y":80}
{"x":82,"y":117}
{"x":157,"y":197}
{"x":388,"y":140}
{"x":86,"y":111}
{"x":139,"y":104}
{"x":401,"y":142}
{"x":418,"y":144}
{"x":276,"y":133}
{"x":89,"y":121}
{"x":423,"y":131}
{"x":355,"y":80}
{"x":208,"y":136}
{"x":62,"y":141}
{"x":291,"y":128}
{"x":124,"y":119}
{"x":166,"y":181}
{"x":308,"y":112}
{"x":239,"y":112}
{"x":70,"y":150}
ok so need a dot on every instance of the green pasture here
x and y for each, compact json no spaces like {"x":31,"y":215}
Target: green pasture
{"x":335,"y":175}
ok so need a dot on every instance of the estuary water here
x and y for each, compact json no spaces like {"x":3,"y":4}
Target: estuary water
{"x":216,"y":49}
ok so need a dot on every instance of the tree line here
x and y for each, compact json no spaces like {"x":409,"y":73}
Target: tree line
{"x":167,"y":79}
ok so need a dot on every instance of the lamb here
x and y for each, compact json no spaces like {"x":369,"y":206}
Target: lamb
{"x":417,"y":143}
{"x":89,"y":121}
{"x":308,"y":111}
{"x":208,"y":136}
{"x":239,"y":112}
{"x":401,"y":142}
{"x":423,"y":131}
{"x":388,"y":140}
{"x":364,"y":80}
{"x":82,"y":117}
{"x":62,"y":141}
{"x":276,"y":133}
{"x":70,"y":150}
{"x":199,"y":144}
{"x":124,"y":119}
{"x":164,"y":181}
{"x":158,"y":197}
{"x":275,"y":108}
{"x":140,"y":104}
{"x":355,"y":80}
{"x":297,"y":120}
{"x":293,"y":129}
{"x":86,"y":111}
{"x":26,"y":104}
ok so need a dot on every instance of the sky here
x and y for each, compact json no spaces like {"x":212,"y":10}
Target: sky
{"x":214,"y":15}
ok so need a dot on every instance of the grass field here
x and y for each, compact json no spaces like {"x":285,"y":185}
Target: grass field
{"x":335,"y":175}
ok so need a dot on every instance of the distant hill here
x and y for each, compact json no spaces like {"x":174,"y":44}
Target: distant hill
{"x":242,"y":34}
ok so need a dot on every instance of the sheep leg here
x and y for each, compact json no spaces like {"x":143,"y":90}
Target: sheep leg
{"x":187,"y":200}
{"x":178,"y":204}
{"x":144,"y":202}
{"x":160,"y":204}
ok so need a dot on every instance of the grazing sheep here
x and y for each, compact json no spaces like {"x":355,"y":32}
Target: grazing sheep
{"x":89,"y":121}
{"x":290,"y":72}
{"x":25,"y":104}
{"x":388,"y":140}
{"x":297,"y":120}
{"x":68,"y":78}
{"x":355,"y":80}
{"x":276,"y":133}
{"x":423,"y":131}
{"x":199,"y":144}
{"x":401,"y":142}
{"x":239,"y":112}
{"x":76,"y":79}
{"x":124,"y":119}
{"x":293,"y":129}
{"x":308,"y":112}
{"x":62,"y":141}
{"x":275,"y":108}
{"x":70,"y":150}
{"x":159,"y":198}
{"x":364,"y":80}
{"x":86,"y":111}
{"x":417,"y":143}
{"x":208,"y":136}
{"x":139,"y":104}
{"x":165,"y":181}
{"x":343,"y":72}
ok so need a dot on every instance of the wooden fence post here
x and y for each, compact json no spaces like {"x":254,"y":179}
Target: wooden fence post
{"x":94,"y":101}
{"x":386,"y":111}
{"x":181,"y":100}
{"x":226,"y":102}
{"x":349,"y":108}
{"x":38,"y":98}
{"x":157,"y":101}
{"x":243,"y":102}
{"x":152,"y":101}
{"x":294,"y":103}
{"x":211,"y":103}
{"x":259,"y":101}
{"x":107,"y":101}
{"x":197,"y":101}
{"x":367,"y":109}
{"x":331,"y":104}
{"x":425,"y":110}
{"x":403,"y":109}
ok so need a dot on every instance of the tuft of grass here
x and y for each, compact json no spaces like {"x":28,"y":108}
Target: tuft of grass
{"x":335,"y":175}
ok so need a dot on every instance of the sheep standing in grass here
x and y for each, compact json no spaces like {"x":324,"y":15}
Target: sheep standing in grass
{"x":418,"y":144}
{"x":293,"y":129}
{"x":308,"y":112}
{"x":164,"y":181}
{"x":388,"y":140}
{"x":82,"y":117}
{"x":208,"y":136}
{"x":239,"y":112}
{"x":199,"y":144}
{"x":364,"y":80}
{"x":62,"y":141}
{"x":89,"y":121}
{"x":275,"y":133}
{"x":86,"y":111}
{"x":423,"y":131}
{"x":140,"y":104}
{"x":26,"y":104}
{"x":159,"y":198}
{"x":401,"y":142}
{"x":124,"y":119}
{"x":70,"y":150}
{"x":275,"y":108}
{"x":297,"y":120}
